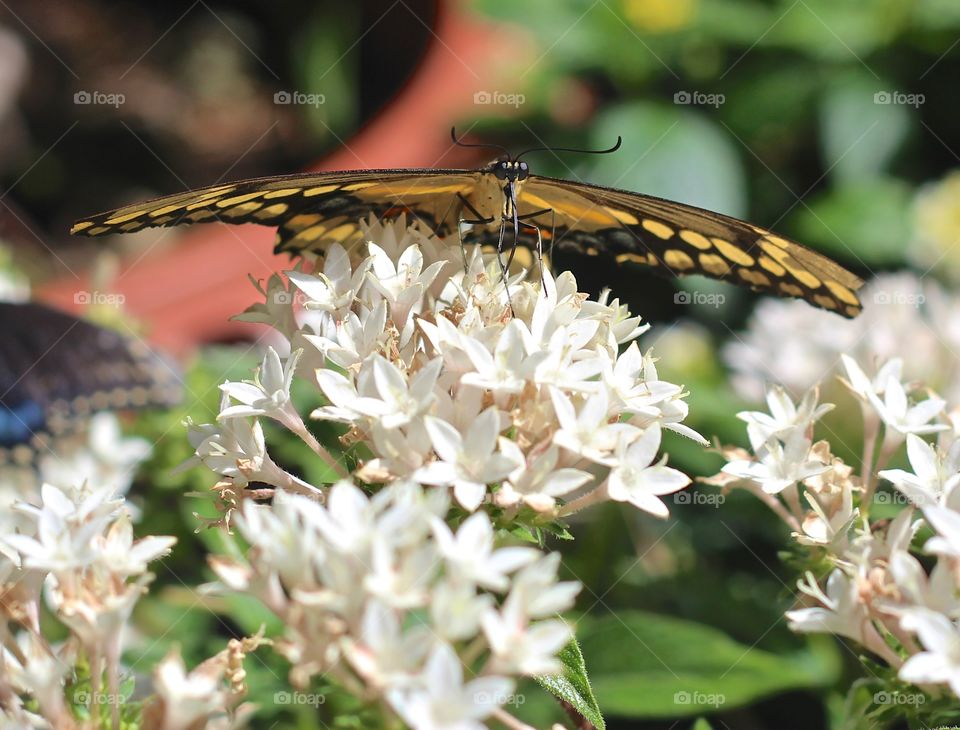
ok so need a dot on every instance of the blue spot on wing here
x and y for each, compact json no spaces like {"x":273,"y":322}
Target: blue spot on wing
{"x":19,"y":423}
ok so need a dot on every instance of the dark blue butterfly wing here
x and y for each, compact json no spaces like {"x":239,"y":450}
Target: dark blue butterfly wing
{"x":57,"y":370}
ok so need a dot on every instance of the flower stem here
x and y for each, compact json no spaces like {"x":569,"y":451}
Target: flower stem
{"x":510,"y":721}
{"x":589,"y":499}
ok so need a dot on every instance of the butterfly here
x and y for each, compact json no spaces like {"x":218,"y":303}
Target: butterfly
{"x":505,"y":205}
{"x":57,"y":370}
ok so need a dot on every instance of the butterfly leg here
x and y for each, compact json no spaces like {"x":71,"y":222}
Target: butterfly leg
{"x":524,"y":222}
{"x":478,"y":220}
{"x":531,"y":226}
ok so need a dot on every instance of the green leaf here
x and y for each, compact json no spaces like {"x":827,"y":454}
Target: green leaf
{"x":867,"y":220}
{"x":573,"y":686}
{"x":653,"y":666}
{"x":701,"y":724}
{"x":863,"y":125}
{"x":675,"y":152}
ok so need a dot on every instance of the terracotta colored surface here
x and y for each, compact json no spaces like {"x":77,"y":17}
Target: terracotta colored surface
{"x":186,"y":292}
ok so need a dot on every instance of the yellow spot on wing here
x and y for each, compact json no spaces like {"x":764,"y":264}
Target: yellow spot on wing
{"x":272,"y":210}
{"x":772,"y":266}
{"x":623,"y":216}
{"x":124,"y":218}
{"x":81,"y":226}
{"x":658,"y":229}
{"x":677,"y":260}
{"x":342,"y":232}
{"x":777,"y":241}
{"x":734,"y":253}
{"x":320,"y":190}
{"x":632,"y":258}
{"x":227,"y":202}
{"x":157,"y":212}
{"x":358,"y":185}
{"x":205,"y":199}
{"x":284,"y":193}
{"x":310,"y":234}
{"x":842,"y":293}
{"x":713,"y":264}
{"x":303,"y":220}
{"x":242,"y":209}
{"x":792,"y":289}
{"x":695,"y":239}
{"x":824,"y":301}
{"x":754,"y":277}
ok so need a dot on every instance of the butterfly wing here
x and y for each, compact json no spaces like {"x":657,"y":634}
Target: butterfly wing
{"x":56,"y":370}
{"x":309,"y":210}
{"x":681,"y":239}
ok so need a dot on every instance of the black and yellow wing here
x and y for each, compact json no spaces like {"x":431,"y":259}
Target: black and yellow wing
{"x":310,"y":211}
{"x":57,"y":370}
{"x":681,"y":239}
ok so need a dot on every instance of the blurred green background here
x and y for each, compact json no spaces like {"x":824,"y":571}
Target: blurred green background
{"x":822,"y":119}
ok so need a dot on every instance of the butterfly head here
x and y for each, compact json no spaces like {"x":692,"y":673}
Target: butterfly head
{"x":510,"y":170}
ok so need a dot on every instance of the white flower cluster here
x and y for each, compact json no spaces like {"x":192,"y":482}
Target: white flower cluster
{"x":379,"y":594}
{"x":97,"y":454}
{"x":797,"y":346}
{"x":77,"y":548}
{"x":511,"y":400}
{"x":469,"y":404}
{"x":878,"y":592}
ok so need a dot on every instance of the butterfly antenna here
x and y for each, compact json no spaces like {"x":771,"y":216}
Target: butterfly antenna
{"x":461,"y":143}
{"x":573,"y":149}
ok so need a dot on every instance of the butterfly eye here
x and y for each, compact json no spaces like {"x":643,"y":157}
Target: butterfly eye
{"x":500,"y":170}
{"x":524,"y":170}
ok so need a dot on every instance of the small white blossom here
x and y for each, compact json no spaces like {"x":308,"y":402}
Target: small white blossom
{"x":268,"y":394}
{"x":842,"y":613}
{"x":440,"y":700}
{"x":335,"y":289}
{"x":947,"y":524}
{"x":640,"y":481}
{"x":588,"y":432}
{"x":940,"y":663}
{"x":187,"y":697}
{"x":472,"y":558}
{"x":784,"y":415}
{"x":934,"y":476}
{"x":780,"y":464}
{"x":385,"y":654}
{"x":469,"y":462}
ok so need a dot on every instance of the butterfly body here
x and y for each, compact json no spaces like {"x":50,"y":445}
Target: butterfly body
{"x":506,"y":205}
